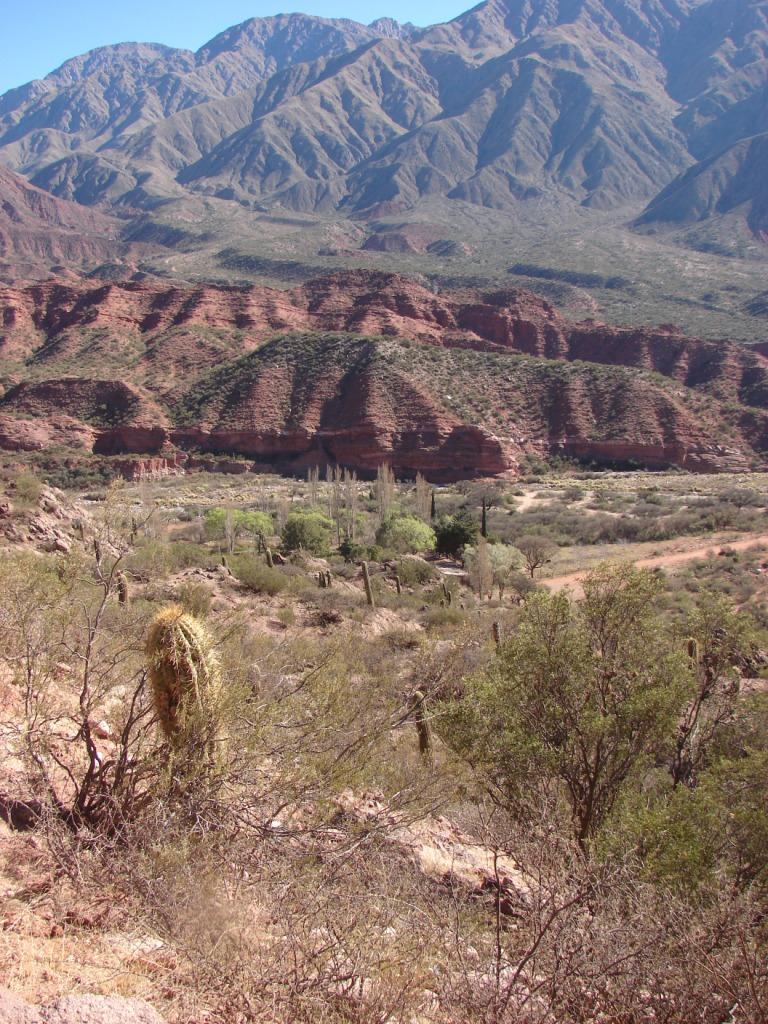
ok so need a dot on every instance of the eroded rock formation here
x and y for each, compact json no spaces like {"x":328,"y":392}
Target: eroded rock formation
{"x":361,"y":368}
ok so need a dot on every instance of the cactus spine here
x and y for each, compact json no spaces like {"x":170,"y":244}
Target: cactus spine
{"x":186,"y":682}
{"x":123,"y":592}
{"x":368,"y":587}
{"x":422,"y":725}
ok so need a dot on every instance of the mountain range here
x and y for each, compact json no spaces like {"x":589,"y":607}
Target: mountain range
{"x":656,"y":108}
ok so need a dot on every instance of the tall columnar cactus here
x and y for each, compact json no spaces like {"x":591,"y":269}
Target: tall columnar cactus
{"x":398,"y":584}
{"x":422,"y":725}
{"x":329,"y":579}
{"x":692,"y":646}
{"x":123,"y":590}
{"x":270,"y":560}
{"x":186,"y":681}
{"x":368,"y":587}
{"x":497,"y":633}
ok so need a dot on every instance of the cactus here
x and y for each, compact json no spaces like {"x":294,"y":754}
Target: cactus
{"x":422,"y":725}
{"x":329,"y":579}
{"x":123,"y":593}
{"x":185,"y":680}
{"x":270,"y":560}
{"x":496,"y":630}
{"x":368,"y":587}
{"x":322,"y":580}
{"x":398,"y":584}
{"x":484,"y":520}
{"x":692,"y":646}
{"x":97,"y":550}
{"x":79,"y":526}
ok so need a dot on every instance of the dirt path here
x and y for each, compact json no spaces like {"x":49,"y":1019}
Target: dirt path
{"x":573,"y":580}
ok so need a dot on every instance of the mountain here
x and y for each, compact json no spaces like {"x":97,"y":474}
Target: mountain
{"x":358,"y":368}
{"x":601,"y":104}
{"x":36,"y":227}
{"x":734,"y":180}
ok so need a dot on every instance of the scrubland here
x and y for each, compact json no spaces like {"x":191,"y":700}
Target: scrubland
{"x":319,"y":750}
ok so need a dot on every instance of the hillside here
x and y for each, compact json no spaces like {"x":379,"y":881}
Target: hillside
{"x":361,"y":368}
{"x":36,"y":228}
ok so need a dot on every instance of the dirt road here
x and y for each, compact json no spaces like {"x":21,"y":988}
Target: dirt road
{"x":572,"y":582}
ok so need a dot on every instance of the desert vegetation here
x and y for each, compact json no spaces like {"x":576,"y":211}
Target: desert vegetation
{"x":343,"y":750}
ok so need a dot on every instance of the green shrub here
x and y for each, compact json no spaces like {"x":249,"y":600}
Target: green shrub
{"x":405,"y":534}
{"x":28,"y":488}
{"x":309,"y":531}
{"x":415,"y":572}
{"x":254,"y":574}
{"x":220,"y":521}
{"x":437,"y":617}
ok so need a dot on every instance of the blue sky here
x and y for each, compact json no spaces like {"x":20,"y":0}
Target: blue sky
{"x":37,"y":37}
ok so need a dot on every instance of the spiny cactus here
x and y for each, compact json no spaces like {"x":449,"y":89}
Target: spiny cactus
{"x":185,"y":679}
{"x":398,"y":584}
{"x":422,"y":725}
{"x":329,"y":579}
{"x":322,"y":580}
{"x":270,"y":560}
{"x":496,"y":629}
{"x":692,"y":646}
{"x":97,"y":549}
{"x":368,"y":587}
{"x":123,"y":591}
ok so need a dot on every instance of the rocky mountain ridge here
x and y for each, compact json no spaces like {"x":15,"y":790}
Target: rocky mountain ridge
{"x":361,"y":368}
{"x":607,"y":104}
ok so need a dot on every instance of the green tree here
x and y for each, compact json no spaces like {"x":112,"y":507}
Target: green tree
{"x":405,"y":534}
{"x":580,"y":695}
{"x":311,"y":531}
{"x":454,"y":533}
{"x":501,"y":561}
{"x":720,"y":638}
{"x":229,"y":524}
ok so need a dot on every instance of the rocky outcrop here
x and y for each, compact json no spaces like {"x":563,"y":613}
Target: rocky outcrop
{"x":316,"y":374}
